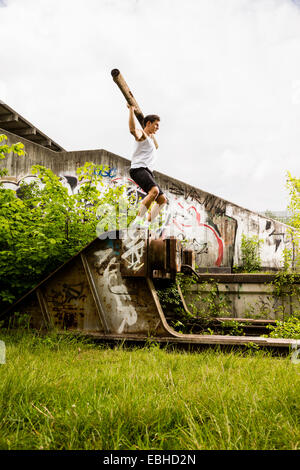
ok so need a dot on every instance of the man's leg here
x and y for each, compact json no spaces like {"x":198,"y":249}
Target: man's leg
{"x":147,"y":201}
{"x":145,"y":204}
{"x":161,"y":200}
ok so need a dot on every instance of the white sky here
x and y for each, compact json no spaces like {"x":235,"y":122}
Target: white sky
{"x":224,"y":76}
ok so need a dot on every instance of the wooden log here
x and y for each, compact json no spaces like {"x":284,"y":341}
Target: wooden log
{"x":119,"y":80}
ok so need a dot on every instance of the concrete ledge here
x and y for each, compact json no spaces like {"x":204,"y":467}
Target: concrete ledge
{"x":245,"y":278}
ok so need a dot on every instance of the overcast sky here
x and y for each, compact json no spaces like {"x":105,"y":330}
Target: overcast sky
{"x":224,"y":76}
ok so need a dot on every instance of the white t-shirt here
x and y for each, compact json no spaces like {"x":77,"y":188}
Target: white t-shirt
{"x":144,"y":154}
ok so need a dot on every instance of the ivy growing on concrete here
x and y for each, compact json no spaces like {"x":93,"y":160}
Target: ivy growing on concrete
{"x":5,"y":150}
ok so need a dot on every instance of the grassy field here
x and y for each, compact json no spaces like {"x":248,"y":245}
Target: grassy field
{"x":65,"y":393}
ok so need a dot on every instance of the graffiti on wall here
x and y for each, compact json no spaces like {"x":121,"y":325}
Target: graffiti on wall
{"x":187,"y":220}
{"x":114,"y":291}
{"x":134,"y":254}
{"x":64,"y":303}
{"x":209,"y":225}
{"x":106,"y":172}
{"x":274,"y":235}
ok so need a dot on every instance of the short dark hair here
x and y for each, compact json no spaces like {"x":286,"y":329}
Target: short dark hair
{"x":151,"y":118}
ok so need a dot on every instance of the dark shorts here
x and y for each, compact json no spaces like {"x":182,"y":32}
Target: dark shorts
{"x":144,"y":178}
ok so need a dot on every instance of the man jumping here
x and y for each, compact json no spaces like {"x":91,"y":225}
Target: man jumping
{"x":142,"y":163}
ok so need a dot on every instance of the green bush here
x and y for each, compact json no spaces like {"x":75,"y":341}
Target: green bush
{"x":286,"y":329}
{"x":201,"y":310}
{"x":47,"y":225}
{"x":250,"y":254}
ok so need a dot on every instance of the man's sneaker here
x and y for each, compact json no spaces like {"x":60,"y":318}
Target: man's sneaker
{"x":153,"y":226}
{"x":139,"y":223}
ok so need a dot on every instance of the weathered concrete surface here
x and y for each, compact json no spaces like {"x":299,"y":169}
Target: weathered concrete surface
{"x":12,"y":121}
{"x":212,"y":225}
{"x":247,"y":295}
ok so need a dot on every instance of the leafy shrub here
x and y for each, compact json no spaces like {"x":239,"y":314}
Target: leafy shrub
{"x":250,"y":254}
{"x":232,"y":327}
{"x":286,"y":293}
{"x":201,"y":311}
{"x":286,"y":329}
{"x":46,"y":225}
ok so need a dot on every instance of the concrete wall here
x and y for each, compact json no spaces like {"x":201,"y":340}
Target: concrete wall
{"x":212,"y":225}
{"x":247,"y":296}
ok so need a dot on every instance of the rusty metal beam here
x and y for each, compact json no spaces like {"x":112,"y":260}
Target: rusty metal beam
{"x":169,"y":331}
{"x":100,"y":308}
{"x":201,"y":340}
{"x":182,"y":298}
{"x":44,"y":308}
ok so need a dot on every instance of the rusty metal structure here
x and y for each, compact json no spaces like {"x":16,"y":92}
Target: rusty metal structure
{"x":107,"y":291}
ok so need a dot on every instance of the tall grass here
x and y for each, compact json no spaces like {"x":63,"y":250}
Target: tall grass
{"x":65,"y":393}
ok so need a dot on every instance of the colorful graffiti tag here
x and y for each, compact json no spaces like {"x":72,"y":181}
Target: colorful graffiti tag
{"x":184,"y":219}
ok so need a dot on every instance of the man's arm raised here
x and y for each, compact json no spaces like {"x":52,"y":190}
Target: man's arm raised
{"x":137,"y":133}
{"x":155,"y":142}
